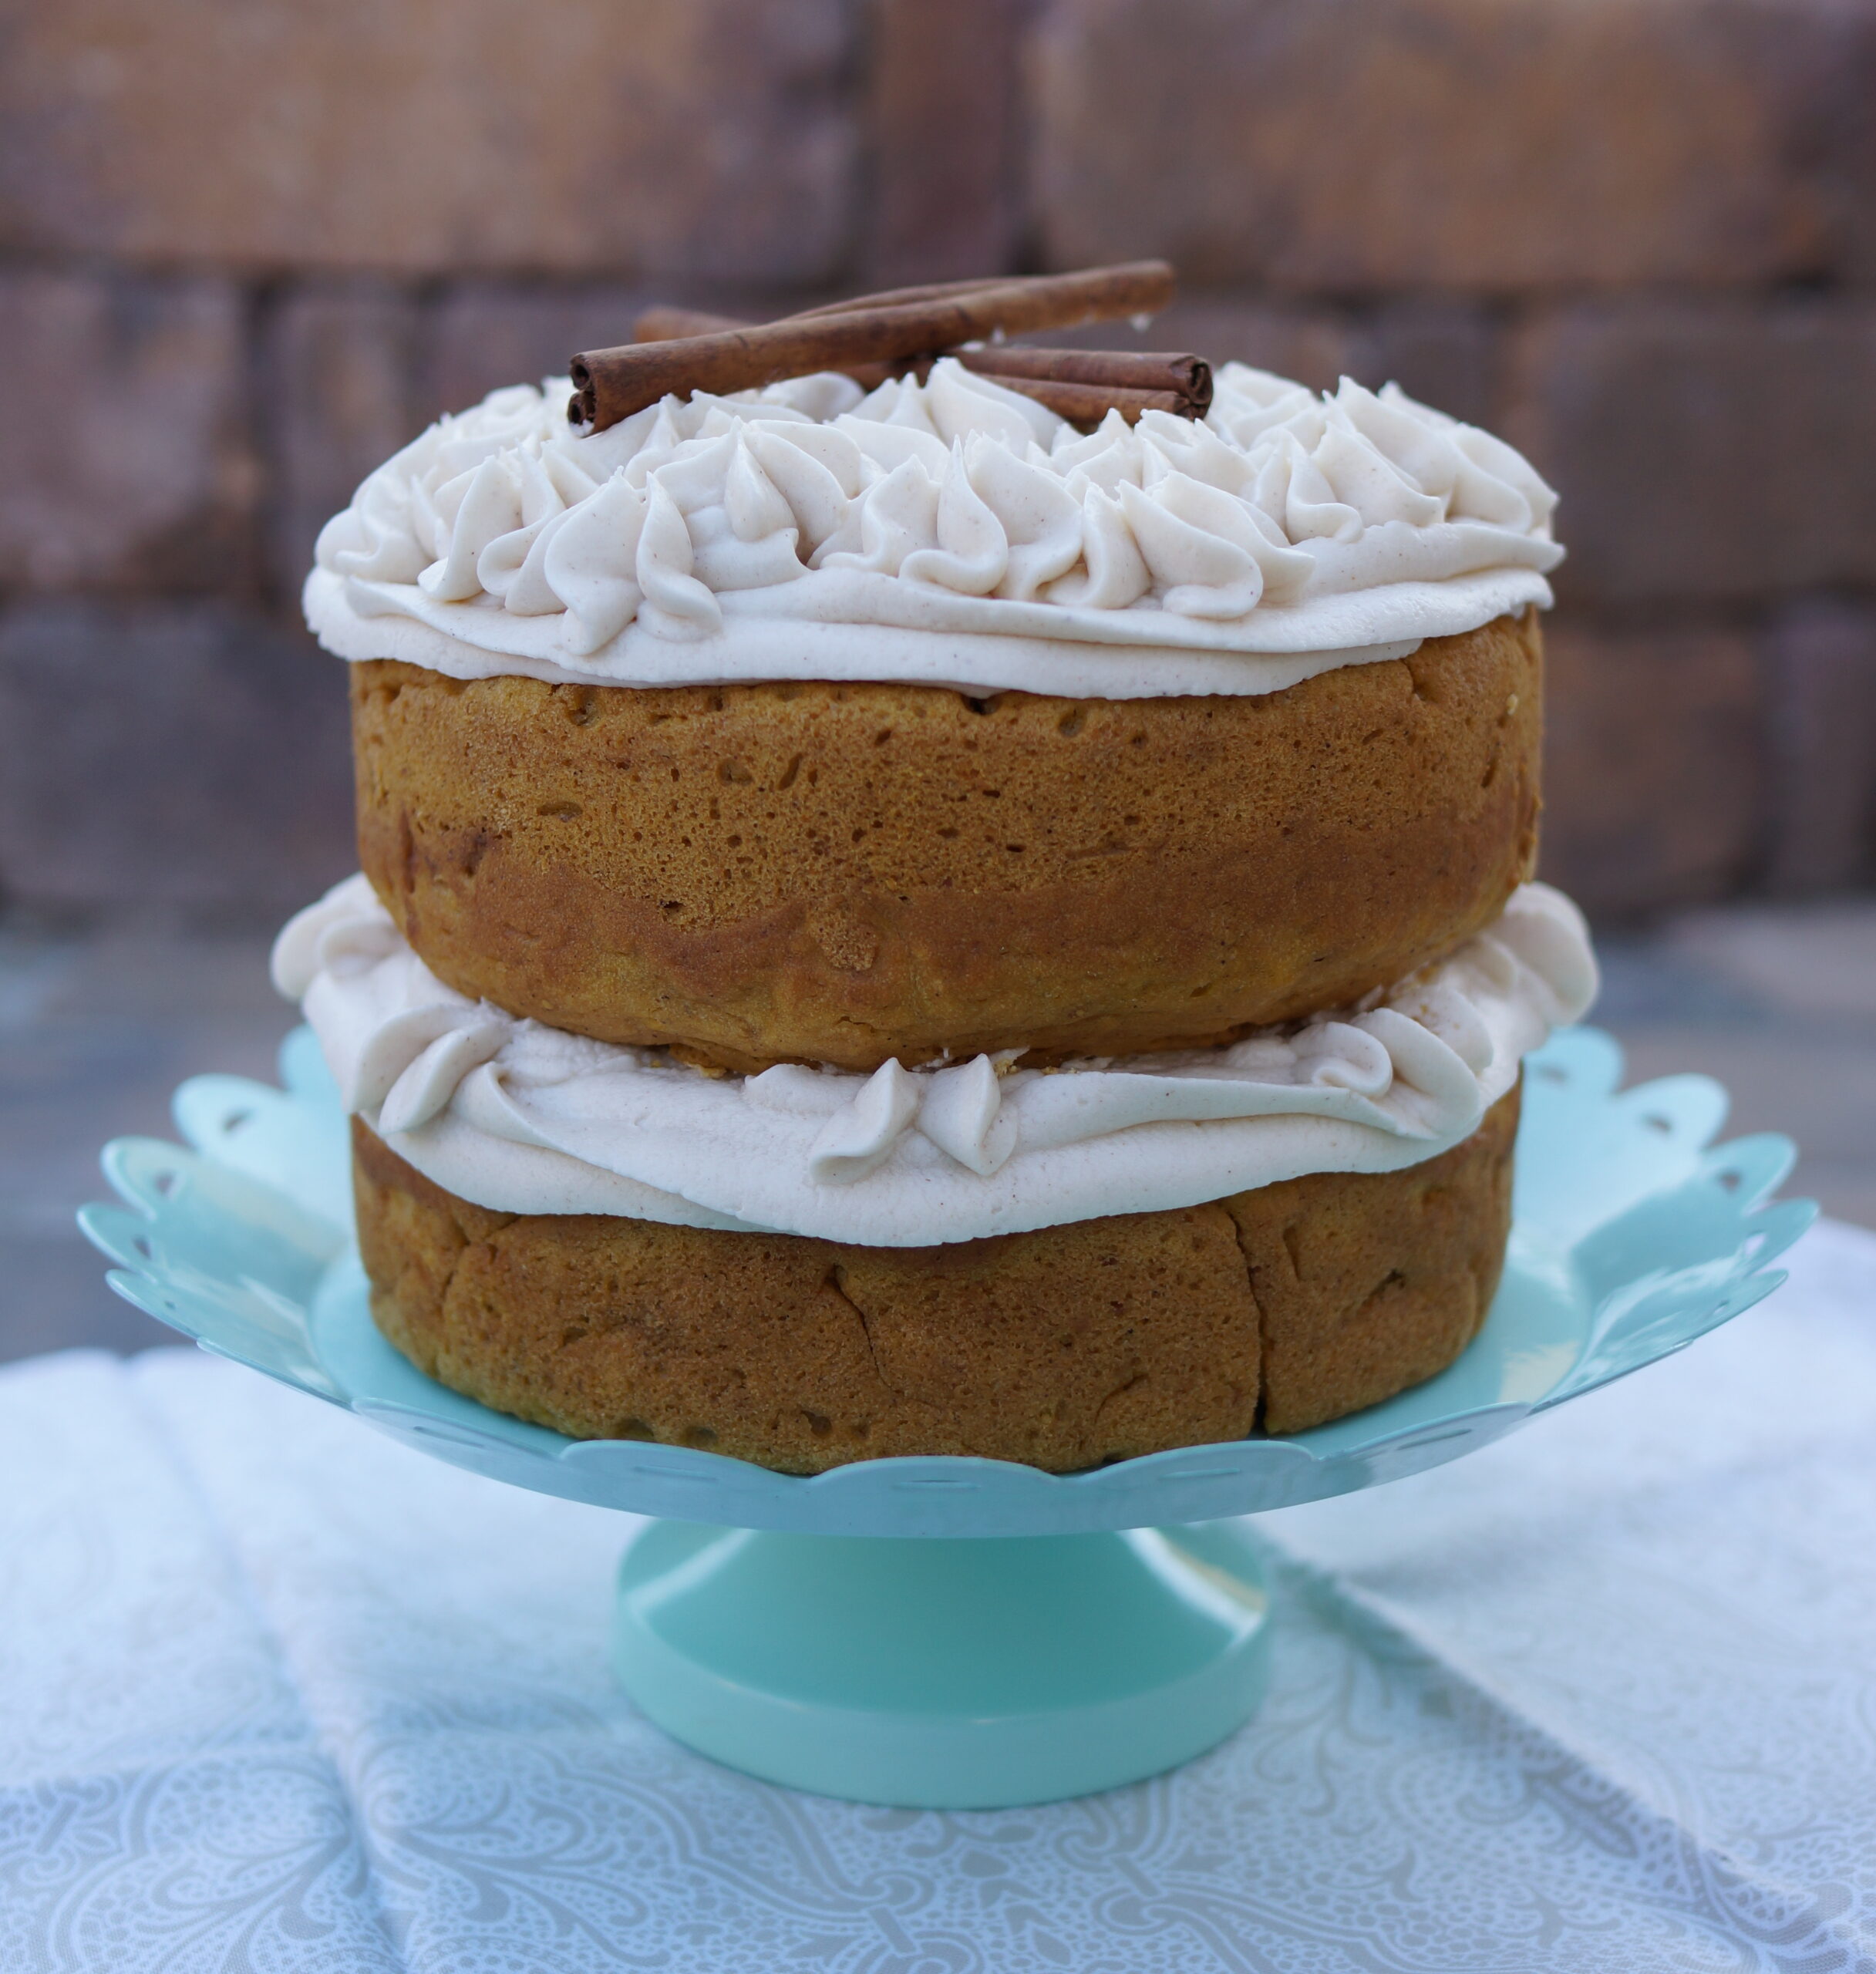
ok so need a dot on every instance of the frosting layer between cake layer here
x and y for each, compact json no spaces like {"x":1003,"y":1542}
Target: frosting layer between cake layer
{"x":948,"y":533}
{"x":521,"y":1118}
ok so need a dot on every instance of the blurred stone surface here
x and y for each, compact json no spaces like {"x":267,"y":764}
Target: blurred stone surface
{"x":1654,"y":774}
{"x":181,"y":757}
{"x":96,"y":1031}
{"x":944,"y":132}
{"x":484,"y":334}
{"x":714,"y":136}
{"x":1852,"y":146}
{"x":246,"y":248}
{"x":1819,"y":660}
{"x":1351,"y":145}
{"x":125,"y":458}
{"x":1447,"y":354}
{"x":340,"y":365}
{"x":1708,"y":451}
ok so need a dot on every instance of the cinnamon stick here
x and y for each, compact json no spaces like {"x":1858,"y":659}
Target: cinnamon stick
{"x":1088,"y":404}
{"x":667,"y":324}
{"x":664,"y":323}
{"x":612,"y":384}
{"x":1185,"y":377}
{"x":1080,"y":385}
{"x":1128,"y":381}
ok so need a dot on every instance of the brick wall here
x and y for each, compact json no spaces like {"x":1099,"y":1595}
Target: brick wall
{"x":246,"y":247}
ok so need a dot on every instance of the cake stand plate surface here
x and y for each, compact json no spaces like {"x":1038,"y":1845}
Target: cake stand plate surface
{"x":946,"y":1632}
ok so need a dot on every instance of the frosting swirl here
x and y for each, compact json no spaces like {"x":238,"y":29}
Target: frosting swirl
{"x":692,"y":540}
{"x":521,"y":1118}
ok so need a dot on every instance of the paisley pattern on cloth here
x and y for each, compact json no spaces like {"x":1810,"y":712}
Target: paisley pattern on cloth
{"x":281,"y":1694}
{"x":523,"y":1118}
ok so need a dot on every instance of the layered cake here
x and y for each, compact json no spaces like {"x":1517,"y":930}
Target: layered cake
{"x":985,"y":912}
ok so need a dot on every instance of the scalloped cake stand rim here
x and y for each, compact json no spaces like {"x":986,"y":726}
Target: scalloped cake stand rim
{"x":1100,"y":1646}
{"x":1596,"y":1166}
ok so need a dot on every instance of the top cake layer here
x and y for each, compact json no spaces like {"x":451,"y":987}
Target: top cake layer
{"x":949,"y":532}
{"x":847,"y":874}
{"x":808,"y":725}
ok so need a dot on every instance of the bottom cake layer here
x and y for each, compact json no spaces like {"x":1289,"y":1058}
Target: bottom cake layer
{"x":1064,"y":1348}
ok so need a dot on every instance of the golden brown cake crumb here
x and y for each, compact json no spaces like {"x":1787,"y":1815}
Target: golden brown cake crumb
{"x":1063,"y":1348}
{"x":842,"y":873}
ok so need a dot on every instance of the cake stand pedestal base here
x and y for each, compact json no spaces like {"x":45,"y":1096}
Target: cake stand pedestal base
{"x":934,"y":1674}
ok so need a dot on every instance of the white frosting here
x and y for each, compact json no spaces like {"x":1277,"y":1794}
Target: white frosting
{"x":950,"y":532}
{"x":525,"y":1119}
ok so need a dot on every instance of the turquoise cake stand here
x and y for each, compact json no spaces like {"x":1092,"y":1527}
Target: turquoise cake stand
{"x":964,"y":1633}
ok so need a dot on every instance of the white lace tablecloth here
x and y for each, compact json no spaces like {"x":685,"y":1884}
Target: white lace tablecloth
{"x":276,"y":1693}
